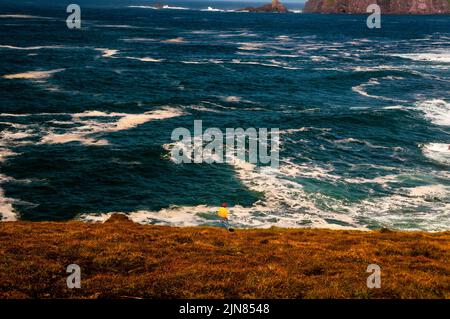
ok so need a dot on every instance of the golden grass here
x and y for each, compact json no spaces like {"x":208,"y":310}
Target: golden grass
{"x":121,"y":259}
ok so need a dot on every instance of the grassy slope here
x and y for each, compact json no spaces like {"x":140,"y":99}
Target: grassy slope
{"x":121,"y":259}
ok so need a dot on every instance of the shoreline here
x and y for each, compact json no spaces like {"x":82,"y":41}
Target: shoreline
{"x":120,"y":259}
{"x":215,"y":223}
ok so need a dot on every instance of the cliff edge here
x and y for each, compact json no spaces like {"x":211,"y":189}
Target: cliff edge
{"x":121,"y":259}
{"x":387,"y":6}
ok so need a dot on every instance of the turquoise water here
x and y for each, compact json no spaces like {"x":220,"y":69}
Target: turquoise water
{"x":86,"y":116}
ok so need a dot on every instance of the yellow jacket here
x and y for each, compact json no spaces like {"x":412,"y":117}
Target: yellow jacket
{"x":223,"y":212}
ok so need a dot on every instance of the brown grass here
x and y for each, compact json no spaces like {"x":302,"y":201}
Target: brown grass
{"x":120,"y":259}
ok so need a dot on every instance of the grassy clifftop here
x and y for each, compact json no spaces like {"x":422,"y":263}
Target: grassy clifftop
{"x":120,"y":259}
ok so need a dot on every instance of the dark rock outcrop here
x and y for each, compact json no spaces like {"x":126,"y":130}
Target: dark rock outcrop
{"x":118,"y":218}
{"x":387,"y":6}
{"x":275,"y":6}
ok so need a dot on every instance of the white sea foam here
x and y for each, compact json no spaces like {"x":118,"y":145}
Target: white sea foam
{"x":107,"y":53}
{"x":174,"y":8}
{"x":396,"y":107}
{"x":21,"y":16}
{"x":82,"y":127}
{"x":7,"y":211}
{"x":233,"y":99}
{"x":7,"y":135}
{"x":315,"y":58}
{"x":144,"y":7}
{"x":271,"y":63}
{"x":436,"y":191}
{"x":400,"y":210}
{"x":442,"y":57}
{"x":354,"y":140}
{"x":145,"y":59}
{"x":436,"y":110}
{"x":175,"y":40}
{"x":12,"y":47}
{"x":381,"y":180}
{"x":202,"y":32}
{"x":283,"y":38}
{"x":32,"y":74}
{"x":361,"y":89}
{"x":29,"y":114}
{"x":138,"y":39}
{"x":250,"y":46}
{"x":268,"y":54}
{"x":88,"y":126}
{"x":52,"y":138}
{"x":243,"y":34}
{"x":438,"y":152}
{"x":167,"y":7}
{"x":192,"y":216}
{"x":376,"y":68}
{"x":5,"y":153}
{"x":204,"y":109}
{"x":193,"y":62}
{"x":211,"y":9}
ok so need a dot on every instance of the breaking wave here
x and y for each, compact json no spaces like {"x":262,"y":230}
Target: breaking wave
{"x":166,"y":7}
{"x":36,"y":75}
{"x":442,"y":57}
{"x":436,"y":110}
{"x":438,"y":152}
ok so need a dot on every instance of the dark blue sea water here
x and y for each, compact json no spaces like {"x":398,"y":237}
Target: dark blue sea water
{"x":86,"y":116}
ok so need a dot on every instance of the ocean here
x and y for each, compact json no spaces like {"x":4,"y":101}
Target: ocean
{"x":86,"y":115}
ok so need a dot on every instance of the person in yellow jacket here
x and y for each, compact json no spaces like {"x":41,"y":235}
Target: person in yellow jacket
{"x":223,"y":215}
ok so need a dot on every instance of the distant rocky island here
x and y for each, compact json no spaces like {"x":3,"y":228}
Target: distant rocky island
{"x":387,"y":6}
{"x":276,"y":7}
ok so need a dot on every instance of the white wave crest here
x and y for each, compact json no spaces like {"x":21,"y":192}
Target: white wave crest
{"x":138,"y":39}
{"x":144,"y":7}
{"x":12,"y":47}
{"x":429,"y":190}
{"x":250,"y":46}
{"x":145,"y":59}
{"x":400,"y":211}
{"x":361,"y":89}
{"x":211,"y":9}
{"x":438,"y":152}
{"x":107,"y":53}
{"x":167,"y":7}
{"x":437,"y":111}
{"x":21,"y":16}
{"x":82,"y":127}
{"x":125,"y":121}
{"x":174,"y":8}
{"x":443,"y":57}
{"x":315,"y":58}
{"x":5,"y":153}
{"x":7,"y":211}
{"x":175,"y":40}
{"x":32,"y":74}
